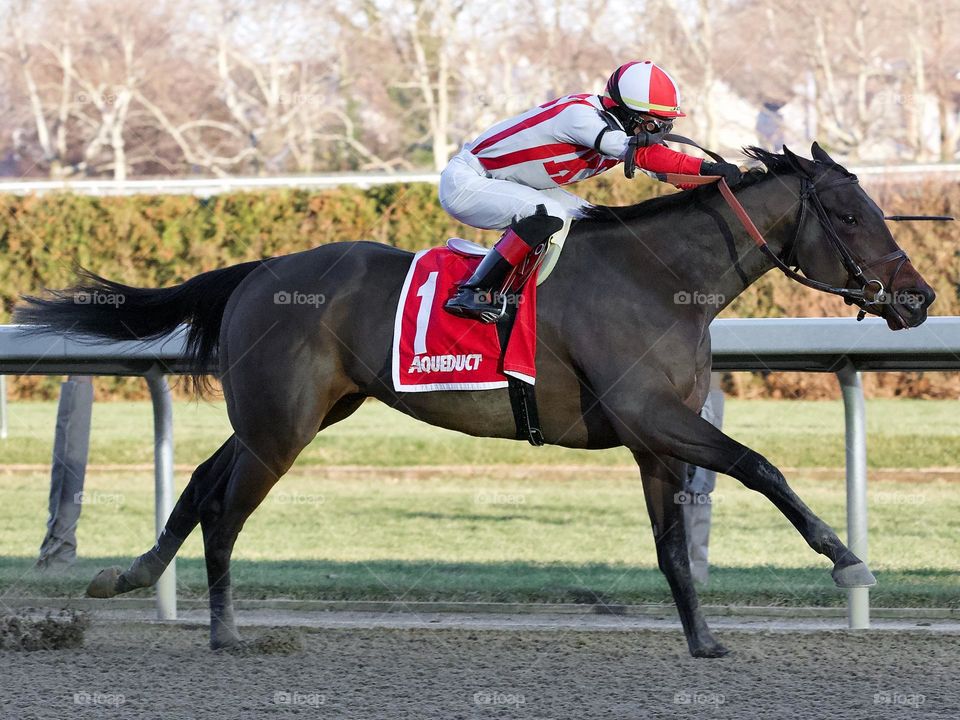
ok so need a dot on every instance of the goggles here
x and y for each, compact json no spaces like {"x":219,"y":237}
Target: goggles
{"x":654,"y":125}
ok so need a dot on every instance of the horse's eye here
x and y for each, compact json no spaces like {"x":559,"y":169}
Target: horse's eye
{"x":848,"y":219}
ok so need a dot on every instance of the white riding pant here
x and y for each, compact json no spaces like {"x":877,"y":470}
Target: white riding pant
{"x":474,"y":198}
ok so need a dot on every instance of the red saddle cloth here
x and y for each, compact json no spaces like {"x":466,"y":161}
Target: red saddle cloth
{"x":434,"y":350}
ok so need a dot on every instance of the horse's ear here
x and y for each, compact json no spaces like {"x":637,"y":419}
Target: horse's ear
{"x":819,"y":154}
{"x":792,"y":159}
{"x":797,"y":163}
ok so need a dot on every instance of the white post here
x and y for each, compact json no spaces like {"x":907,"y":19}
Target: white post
{"x":3,"y":407}
{"x":858,"y":599}
{"x":163,"y":484}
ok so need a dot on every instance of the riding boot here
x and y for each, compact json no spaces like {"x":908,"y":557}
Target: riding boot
{"x":476,"y":297}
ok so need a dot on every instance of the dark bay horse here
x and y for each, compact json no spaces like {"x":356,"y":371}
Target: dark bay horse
{"x":623,"y":355}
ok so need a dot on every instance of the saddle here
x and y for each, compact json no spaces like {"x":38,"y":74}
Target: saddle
{"x":545,"y":260}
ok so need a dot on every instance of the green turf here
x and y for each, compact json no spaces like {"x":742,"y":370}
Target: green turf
{"x":448,"y":537}
{"x":902,"y":434}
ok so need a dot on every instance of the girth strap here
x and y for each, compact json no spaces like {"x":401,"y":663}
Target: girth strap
{"x":523,"y":398}
{"x":523,"y":402}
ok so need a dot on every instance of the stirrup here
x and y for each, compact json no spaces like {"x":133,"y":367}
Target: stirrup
{"x":492,"y":315}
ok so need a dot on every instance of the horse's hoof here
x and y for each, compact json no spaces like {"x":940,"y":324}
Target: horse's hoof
{"x":141,"y":574}
{"x":710,"y":650}
{"x":104,"y":585}
{"x":857,"y":575}
{"x":225,"y":637}
{"x":227,"y":642}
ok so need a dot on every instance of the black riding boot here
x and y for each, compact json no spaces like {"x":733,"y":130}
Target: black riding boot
{"x":476,"y":297}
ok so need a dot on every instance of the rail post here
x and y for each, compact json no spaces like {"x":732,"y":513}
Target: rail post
{"x":3,"y":407}
{"x":854,"y":410}
{"x":163,"y":483}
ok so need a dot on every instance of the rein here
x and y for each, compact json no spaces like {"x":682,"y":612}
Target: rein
{"x":870,"y":292}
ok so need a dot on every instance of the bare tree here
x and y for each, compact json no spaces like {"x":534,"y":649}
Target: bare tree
{"x":82,"y":66}
{"x":228,"y":86}
{"x":49,"y":111}
{"x":944,"y":62}
{"x":423,"y":37}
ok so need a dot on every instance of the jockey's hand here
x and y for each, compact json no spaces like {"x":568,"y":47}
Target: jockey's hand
{"x":645,"y":139}
{"x":728,"y":171}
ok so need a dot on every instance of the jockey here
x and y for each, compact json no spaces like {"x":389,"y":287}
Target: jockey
{"x":511,"y":176}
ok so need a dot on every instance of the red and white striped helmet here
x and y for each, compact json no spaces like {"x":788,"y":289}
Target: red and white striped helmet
{"x":643,"y":86}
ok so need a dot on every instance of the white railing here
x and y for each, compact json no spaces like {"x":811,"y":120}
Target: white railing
{"x":838,"y":345}
{"x":205,"y":187}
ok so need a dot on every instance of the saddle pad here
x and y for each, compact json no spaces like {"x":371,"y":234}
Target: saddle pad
{"x":434,"y":350}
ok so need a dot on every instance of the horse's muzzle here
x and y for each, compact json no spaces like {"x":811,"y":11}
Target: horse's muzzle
{"x":907,"y":306}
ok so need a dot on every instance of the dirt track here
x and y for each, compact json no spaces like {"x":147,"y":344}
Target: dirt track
{"x":133,"y":670}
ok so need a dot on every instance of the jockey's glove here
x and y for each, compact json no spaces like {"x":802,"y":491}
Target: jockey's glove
{"x":728,"y":171}
{"x":645,"y":139}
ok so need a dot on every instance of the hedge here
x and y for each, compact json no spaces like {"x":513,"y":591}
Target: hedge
{"x":156,"y":240}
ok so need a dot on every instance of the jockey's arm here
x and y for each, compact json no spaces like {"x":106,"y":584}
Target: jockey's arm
{"x":584,"y":126}
{"x":661,"y":159}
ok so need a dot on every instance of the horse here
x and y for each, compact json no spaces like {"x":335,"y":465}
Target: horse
{"x":623,"y":356}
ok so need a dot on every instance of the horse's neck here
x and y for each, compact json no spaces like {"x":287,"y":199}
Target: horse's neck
{"x":727,"y":273}
{"x":703,"y":248}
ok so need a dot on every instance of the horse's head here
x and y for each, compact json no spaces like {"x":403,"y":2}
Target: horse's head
{"x":842,"y":240}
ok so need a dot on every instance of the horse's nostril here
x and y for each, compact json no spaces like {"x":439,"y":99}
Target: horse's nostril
{"x":915,"y":300}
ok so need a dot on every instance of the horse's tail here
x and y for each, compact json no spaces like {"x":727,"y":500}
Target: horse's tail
{"x":104,"y":308}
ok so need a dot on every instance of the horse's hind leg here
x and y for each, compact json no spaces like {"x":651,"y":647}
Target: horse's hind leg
{"x":147,"y":568}
{"x":275,"y":440}
{"x":254,"y":473}
{"x":662,"y":479}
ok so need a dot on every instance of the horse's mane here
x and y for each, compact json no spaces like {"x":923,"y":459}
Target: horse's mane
{"x":773,"y":164}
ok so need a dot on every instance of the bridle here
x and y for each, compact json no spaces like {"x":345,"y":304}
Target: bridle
{"x":868,"y":293}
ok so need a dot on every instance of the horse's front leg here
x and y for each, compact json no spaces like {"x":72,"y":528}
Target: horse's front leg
{"x":662,"y":480}
{"x":662,"y":425}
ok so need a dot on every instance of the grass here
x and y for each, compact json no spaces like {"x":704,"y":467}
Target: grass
{"x":445,"y":535}
{"x":901,"y":434}
{"x":489,"y":535}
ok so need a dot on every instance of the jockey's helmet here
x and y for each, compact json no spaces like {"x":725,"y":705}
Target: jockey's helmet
{"x":644,"y":87}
